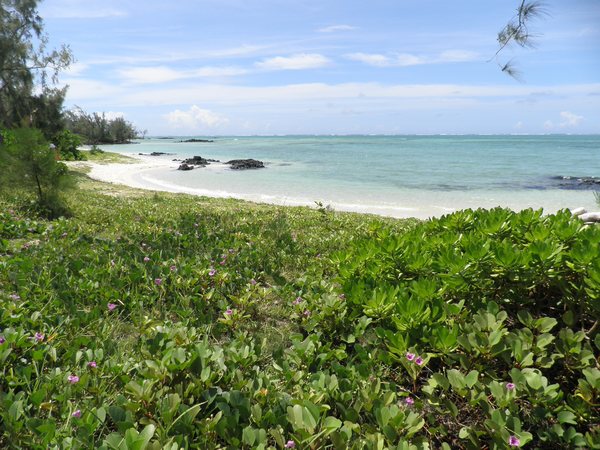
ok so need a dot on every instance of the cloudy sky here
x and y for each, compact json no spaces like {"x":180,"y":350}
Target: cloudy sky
{"x":226,"y":67}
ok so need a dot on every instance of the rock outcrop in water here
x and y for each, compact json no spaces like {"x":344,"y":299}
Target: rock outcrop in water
{"x":235,"y":164}
{"x":243,"y":164}
{"x":577,"y":183}
{"x":198,"y":140}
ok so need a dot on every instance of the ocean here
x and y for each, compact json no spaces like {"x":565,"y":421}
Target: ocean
{"x":400,"y":176}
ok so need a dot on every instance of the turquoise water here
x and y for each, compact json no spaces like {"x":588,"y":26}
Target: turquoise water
{"x":392,"y":175}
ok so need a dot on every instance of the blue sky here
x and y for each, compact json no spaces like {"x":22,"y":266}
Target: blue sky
{"x":226,"y":67}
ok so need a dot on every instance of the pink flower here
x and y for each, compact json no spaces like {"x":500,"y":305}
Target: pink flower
{"x":290,"y":444}
{"x":15,"y":297}
{"x":2,"y":340}
{"x":73,"y":379}
{"x":212,"y":273}
{"x":76,"y":414}
{"x":514,"y":441}
{"x":158,"y":281}
{"x":222,"y":263}
{"x":253,"y":282}
{"x":419,"y":361}
{"x":146,"y":259}
{"x":39,"y":337}
{"x":297,"y":301}
{"x":409,"y":401}
{"x":410,"y":356}
{"x":306,"y":313}
{"x":111,"y":306}
{"x":173,"y":268}
{"x":92,"y":364}
{"x":229,"y":311}
{"x":510,"y":386}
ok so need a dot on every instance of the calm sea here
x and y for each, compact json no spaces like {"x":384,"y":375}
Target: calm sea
{"x":400,"y":176}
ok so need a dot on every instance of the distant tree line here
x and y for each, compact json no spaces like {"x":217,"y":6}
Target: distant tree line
{"x":95,"y":128}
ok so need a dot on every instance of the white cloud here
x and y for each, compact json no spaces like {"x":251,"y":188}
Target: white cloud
{"x":76,"y":69}
{"x":112,"y":115}
{"x":570,"y":119}
{"x":294,"y":62}
{"x":409,"y":59}
{"x":163,"y":74}
{"x":195,"y":118}
{"x":334,"y":28}
{"x":372,"y":59}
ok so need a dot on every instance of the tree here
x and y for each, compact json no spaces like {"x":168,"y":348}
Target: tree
{"x":517,"y":31}
{"x":27,"y":64}
{"x":96,"y":129}
{"x":34,"y":167}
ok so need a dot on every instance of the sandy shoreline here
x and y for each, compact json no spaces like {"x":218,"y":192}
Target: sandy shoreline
{"x":145,"y":172}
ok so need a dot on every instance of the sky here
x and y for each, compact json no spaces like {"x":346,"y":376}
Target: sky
{"x":268,"y":67}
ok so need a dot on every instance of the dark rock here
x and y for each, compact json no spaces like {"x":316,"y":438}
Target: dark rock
{"x":577,"y":183}
{"x":243,"y":164}
{"x":197,"y":161}
{"x":185,"y":166}
{"x":198,"y":140}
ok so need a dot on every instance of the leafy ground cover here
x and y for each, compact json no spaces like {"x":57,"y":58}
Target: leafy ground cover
{"x":169,"y":321}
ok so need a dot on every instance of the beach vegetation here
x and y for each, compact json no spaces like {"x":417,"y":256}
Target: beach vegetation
{"x":28,"y":69}
{"x":96,"y":128}
{"x":171,"y":321}
{"x":30,"y":170}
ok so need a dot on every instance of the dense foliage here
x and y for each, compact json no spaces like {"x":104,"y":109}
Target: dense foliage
{"x":97,"y":129}
{"x":29,"y":168}
{"x":160,"y":321}
{"x":27,"y":66}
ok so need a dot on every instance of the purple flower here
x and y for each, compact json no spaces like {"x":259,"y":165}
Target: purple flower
{"x":212,"y":272}
{"x":76,"y":414}
{"x":39,"y":337}
{"x":290,"y":444}
{"x":146,"y":259}
{"x":410,"y":356}
{"x":92,"y":364}
{"x":229,"y":311}
{"x":173,"y":268}
{"x":409,"y":401}
{"x":419,"y":361}
{"x":2,"y":340}
{"x":222,"y":263}
{"x":111,"y":306}
{"x":297,"y":301}
{"x":306,"y":313}
{"x":15,"y":297}
{"x":73,"y":379}
{"x":510,"y":386}
{"x":514,"y":441}
{"x":158,"y":281}
{"x":253,"y":282}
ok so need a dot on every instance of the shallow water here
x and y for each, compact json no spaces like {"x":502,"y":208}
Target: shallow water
{"x":400,"y":176}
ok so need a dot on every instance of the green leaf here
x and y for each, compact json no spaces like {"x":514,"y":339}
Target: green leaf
{"x":567,"y":417}
{"x":332,"y":423}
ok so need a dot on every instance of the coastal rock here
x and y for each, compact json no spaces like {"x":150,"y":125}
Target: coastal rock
{"x":243,"y":164}
{"x":197,"y":161}
{"x":185,"y":166}
{"x":198,"y":140}
{"x":578,"y":211}
{"x":577,"y":183}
